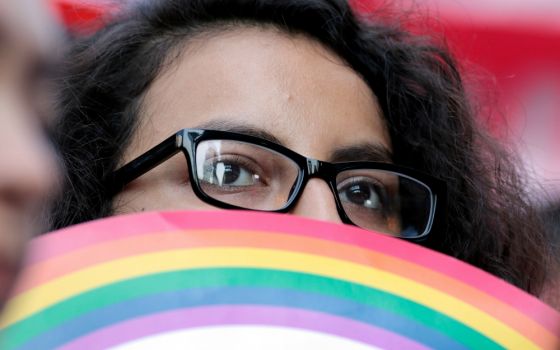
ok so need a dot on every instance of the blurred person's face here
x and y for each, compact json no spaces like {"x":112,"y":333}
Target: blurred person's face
{"x":27,"y":169}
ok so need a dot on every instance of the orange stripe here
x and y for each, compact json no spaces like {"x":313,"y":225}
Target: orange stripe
{"x":108,"y":251}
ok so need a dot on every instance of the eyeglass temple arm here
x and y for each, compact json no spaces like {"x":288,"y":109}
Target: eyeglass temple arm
{"x":144,"y":163}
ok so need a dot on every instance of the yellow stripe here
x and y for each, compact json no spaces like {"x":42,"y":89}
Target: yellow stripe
{"x":67,"y":286}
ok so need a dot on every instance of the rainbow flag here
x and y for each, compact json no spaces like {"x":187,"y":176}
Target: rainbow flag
{"x":239,"y":280}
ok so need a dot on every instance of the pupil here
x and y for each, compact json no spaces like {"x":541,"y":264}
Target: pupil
{"x":230,"y":173}
{"x":358,"y":194}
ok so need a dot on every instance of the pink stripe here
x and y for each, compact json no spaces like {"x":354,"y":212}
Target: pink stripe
{"x":241,"y":315}
{"x":145,"y":223}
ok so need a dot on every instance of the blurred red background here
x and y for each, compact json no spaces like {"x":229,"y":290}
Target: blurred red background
{"x":509,"y":51}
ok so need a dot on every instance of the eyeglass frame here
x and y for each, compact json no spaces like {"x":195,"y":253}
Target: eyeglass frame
{"x":187,"y":140}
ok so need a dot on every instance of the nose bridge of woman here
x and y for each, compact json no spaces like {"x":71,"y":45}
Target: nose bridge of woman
{"x":317,"y":202}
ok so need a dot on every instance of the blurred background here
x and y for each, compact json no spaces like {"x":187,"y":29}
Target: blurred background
{"x":509,"y":51}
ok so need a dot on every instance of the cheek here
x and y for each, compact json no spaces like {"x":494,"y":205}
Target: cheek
{"x":157,"y":197}
{"x":166,"y":187}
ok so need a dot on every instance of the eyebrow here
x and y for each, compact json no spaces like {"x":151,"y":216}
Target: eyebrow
{"x":365,"y":152}
{"x":245,"y":129}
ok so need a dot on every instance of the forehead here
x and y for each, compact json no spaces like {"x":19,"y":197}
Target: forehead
{"x":288,"y":85}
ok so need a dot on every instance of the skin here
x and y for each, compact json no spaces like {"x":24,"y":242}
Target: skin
{"x":256,"y":81}
{"x":27,"y":167}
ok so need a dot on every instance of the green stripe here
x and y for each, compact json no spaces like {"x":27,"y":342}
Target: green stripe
{"x":40,"y":322}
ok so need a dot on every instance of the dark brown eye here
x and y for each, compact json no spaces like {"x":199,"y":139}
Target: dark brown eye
{"x":230,"y":172}
{"x":233,"y":172}
{"x":362,"y":193}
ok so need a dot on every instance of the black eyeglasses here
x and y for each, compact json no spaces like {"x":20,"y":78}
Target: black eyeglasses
{"x":236,"y":171}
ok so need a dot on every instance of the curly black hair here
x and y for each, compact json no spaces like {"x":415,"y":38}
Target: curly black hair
{"x":419,"y":88}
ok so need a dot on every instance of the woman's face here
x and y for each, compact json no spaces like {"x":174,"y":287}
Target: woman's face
{"x":263,"y":82}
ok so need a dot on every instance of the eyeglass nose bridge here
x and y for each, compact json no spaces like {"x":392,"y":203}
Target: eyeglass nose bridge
{"x":325,"y":171}
{"x":319,"y":169}
{"x":313,"y":166}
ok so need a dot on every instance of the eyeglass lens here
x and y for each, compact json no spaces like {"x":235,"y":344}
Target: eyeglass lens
{"x":254,"y":177}
{"x":244,"y":174}
{"x":385,"y":201}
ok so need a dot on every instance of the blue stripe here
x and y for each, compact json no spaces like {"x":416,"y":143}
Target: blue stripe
{"x":198,"y":297}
